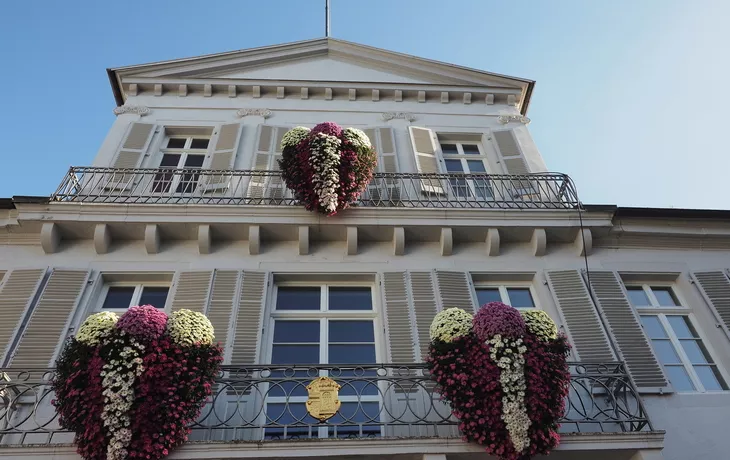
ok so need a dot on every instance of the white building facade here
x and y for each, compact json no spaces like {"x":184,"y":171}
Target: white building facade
{"x":182,"y":207}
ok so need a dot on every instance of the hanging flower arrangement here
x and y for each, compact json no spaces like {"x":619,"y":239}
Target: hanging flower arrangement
{"x":327,"y":167}
{"x":505,"y":375}
{"x":129,"y":386}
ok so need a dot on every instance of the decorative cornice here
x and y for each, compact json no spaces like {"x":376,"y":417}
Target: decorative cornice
{"x":266,"y":113}
{"x":404,"y":115}
{"x":504,"y":119}
{"x":138,"y":109}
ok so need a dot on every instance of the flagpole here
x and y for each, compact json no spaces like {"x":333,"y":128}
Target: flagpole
{"x":327,"y":18}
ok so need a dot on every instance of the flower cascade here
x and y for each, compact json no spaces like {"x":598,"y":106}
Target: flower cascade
{"x":129,"y":386}
{"x":505,"y":376}
{"x":327,"y":167}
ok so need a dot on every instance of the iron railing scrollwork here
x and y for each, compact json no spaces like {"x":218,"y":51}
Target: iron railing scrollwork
{"x":245,"y":187}
{"x":266,"y":402}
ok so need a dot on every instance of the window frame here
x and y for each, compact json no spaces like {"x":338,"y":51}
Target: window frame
{"x":184,"y":152}
{"x":504,"y":294}
{"x":661,"y":313}
{"x":464,"y":159}
{"x":138,"y":288}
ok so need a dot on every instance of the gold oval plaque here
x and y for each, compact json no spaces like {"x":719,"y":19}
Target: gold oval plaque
{"x":323,"y":400}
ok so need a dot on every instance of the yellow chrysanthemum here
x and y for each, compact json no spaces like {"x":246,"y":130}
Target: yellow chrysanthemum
{"x":539,"y":323}
{"x":187,"y":328}
{"x":96,"y":327}
{"x":449,"y":324}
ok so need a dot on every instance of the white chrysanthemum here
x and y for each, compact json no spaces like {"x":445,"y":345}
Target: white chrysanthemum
{"x":294,"y":136}
{"x":96,"y":327}
{"x":325,"y":161}
{"x":357,"y":137}
{"x":188,"y":327}
{"x":449,"y":324}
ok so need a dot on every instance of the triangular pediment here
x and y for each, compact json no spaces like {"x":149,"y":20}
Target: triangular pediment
{"x":324,"y":60}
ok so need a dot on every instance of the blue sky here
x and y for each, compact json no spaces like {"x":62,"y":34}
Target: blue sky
{"x":630,"y":98}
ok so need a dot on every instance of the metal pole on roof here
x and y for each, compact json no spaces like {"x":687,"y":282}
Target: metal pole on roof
{"x":327,"y":18}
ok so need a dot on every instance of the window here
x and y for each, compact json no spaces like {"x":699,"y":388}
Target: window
{"x":676,"y":342}
{"x":119,"y":297}
{"x":186,"y":153}
{"x":323,"y":324}
{"x":516,"y":296}
{"x":466,"y":158}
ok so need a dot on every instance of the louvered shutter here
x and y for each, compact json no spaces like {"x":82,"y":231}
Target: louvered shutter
{"x":427,"y":152}
{"x":223,"y":157}
{"x":513,"y":161}
{"x":130,"y":154}
{"x":579,"y":316}
{"x":424,"y":307}
{"x":715,"y":288}
{"x":398,"y":318}
{"x":247,"y":332}
{"x":455,"y":290}
{"x":48,"y":322}
{"x":16,"y":295}
{"x":192,"y":290}
{"x":220,"y":306}
{"x":388,"y":190}
{"x":268,"y":152}
{"x":625,"y":327}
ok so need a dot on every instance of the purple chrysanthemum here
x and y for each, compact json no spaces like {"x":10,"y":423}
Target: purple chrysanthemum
{"x":144,"y":323}
{"x":498,"y":318}
{"x":328,"y":127}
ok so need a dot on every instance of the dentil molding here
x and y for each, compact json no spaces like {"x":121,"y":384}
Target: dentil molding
{"x":504,"y":119}
{"x":266,"y":113}
{"x":138,"y":109}
{"x":404,"y":115}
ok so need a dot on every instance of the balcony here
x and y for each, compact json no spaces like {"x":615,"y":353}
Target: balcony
{"x":265,"y":404}
{"x":256,"y":188}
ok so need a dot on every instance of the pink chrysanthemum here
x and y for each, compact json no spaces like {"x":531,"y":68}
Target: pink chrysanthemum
{"x":498,"y":318}
{"x":328,"y":127}
{"x":144,"y":323}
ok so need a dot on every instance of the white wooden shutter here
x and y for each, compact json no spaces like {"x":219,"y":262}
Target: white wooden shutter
{"x":192,"y":290}
{"x":398,"y":318}
{"x":220,"y":306}
{"x":130,"y":154}
{"x":16,"y":295}
{"x":247,"y":333}
{"x":384,"y":190}
{"x":223,"y":156}
{"x":49,"y":320}
{"x":512,"y":158}
{"x":715,"y":288}
{"x":626,"y":329}
{"x":579,"y":315}
{"x":424,"y":307}
{"x":268,"y":152}
{"x":455,"y":290}
{"x":428,"y":152}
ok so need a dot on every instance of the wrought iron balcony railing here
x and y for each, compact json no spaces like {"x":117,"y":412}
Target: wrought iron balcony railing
{"x":266,"y":403}
{"x":240,"y":187}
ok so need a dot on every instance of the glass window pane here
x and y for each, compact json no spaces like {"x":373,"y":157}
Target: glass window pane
{"x":665,"y":351}
{"x":118,"y":297}
{"x":352,"y":354}
{"x":681,"y":327}
{"x":695,"y":351}
{"x":637,"y":296}
{"x":296,"y":331}
{"x":449,"y":149}
{"x":199,"y":144}
{"x":298,"y":298}
{"x":289,"y":415}
{"x":710,"y":378}
{"x":454,"y":166}
{"x":470,"y":149}
{"x":155,"y":296}
{"x":176,"y":143}
{"x":486,"y":295}
{"x":679,"y":378}
{"x":653,"y":327}
{"x":170,"y":160}
{"x":476,"y":166}
{"x":350,"y":298}
{"x":194,"y":161}
{"x":520,"y":297}
{"x":665,"y":296}
{"x":351,"y":415}
{"x":351,"y":331}
{"x":295,"y":354}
